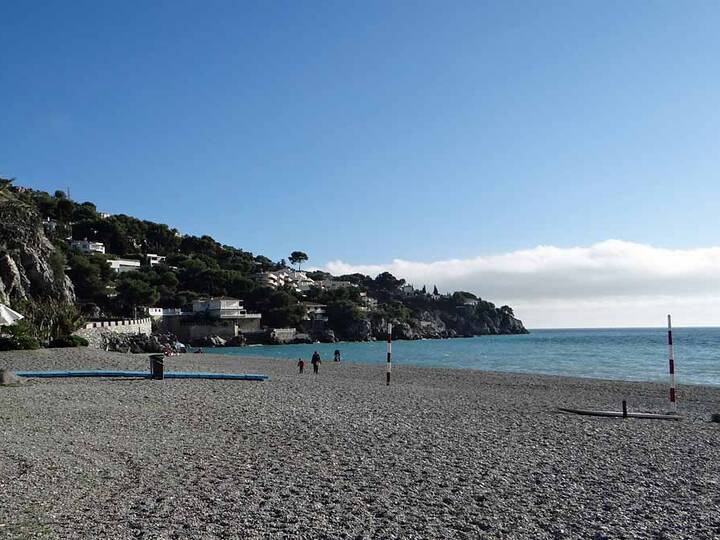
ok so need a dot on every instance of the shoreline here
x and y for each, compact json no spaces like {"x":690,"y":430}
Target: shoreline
{"x":685,"y":378}
{"x":208,"y":353}
{"x":441,"y":453}
{"x":380,"y":366}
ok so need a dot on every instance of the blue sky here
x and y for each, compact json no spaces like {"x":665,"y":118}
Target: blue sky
{"x":369,"y":131}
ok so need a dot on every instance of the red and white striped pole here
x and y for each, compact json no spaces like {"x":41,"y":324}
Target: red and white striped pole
{"x":389,"y":355}
{"x":671,"y":357}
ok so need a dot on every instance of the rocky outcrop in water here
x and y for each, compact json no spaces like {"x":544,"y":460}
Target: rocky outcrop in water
{"x":237,"y":341}
{"x":438,"y":324}
{"x":209,"y":341}
{"x":361,"y":330}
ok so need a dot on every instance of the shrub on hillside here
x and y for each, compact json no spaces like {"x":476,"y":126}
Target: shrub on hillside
{"x":18,"y":343}
{"x":69,"y":341}
{"x":19,"y":338}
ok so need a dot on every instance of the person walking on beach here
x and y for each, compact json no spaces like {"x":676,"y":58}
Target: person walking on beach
{"x":315,"y":362}
{"x":301,"y":366}
{"x":337,"y":355}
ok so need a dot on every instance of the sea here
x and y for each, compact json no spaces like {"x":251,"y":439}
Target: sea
{"x":630,"y":354}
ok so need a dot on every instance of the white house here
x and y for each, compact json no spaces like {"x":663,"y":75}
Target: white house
{"x":124,"y":265}
{"x":87,"y":247}
{"x":368,"y":303}
{"x":314,"y":311}
{"x":223,"y":308}
{"x":158,"y":312}
{"x":332,"y":285}
{"x":154,"y":259}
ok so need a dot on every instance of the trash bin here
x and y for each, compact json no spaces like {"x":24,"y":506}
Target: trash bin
{"x":157,"y":366}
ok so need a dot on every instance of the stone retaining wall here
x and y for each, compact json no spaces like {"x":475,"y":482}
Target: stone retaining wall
{"x":94,"y":331}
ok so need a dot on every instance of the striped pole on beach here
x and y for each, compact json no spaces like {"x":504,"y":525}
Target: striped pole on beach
{"x":389,"y":356}
{"x":671,"y":356}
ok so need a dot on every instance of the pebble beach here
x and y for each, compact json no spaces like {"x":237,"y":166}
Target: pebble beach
{"x":441,"y":453}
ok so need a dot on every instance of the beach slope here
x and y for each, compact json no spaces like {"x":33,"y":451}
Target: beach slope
{"x":439,"y":454}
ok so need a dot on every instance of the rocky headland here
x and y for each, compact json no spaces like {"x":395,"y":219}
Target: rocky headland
{"x":56,"y":285}
{"x":435,"y":324}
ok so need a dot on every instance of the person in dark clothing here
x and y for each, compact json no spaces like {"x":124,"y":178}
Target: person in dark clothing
{"x":315,"y":362}
{"x":337,"y":355}
{"x":301,"y":365}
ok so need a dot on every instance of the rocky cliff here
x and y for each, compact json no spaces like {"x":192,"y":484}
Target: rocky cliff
{"x":435,"y":324}
{"x":31,"y":269}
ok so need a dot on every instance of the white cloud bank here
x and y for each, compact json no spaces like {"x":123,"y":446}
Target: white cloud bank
{"x":611,"y":283}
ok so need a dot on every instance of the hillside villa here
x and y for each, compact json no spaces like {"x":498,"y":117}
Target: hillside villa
{"x":86,"y":246}
{"x":154,"y":259}
{"x":225,"y":317}
{"x":286,"y":277}
{"x":299,"y":281}
{"x":124,"y":265}
{"x":332,"y":285}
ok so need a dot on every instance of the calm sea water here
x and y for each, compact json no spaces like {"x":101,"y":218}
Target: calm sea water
{"x":637,"y":354}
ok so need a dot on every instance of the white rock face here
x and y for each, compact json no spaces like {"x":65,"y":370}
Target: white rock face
{"x":26,"y":254}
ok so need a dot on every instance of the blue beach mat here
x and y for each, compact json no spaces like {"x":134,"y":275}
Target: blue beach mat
{"x":145,"y":375}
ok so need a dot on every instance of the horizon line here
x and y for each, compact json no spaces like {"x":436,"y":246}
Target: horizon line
{"x":617,"y":327}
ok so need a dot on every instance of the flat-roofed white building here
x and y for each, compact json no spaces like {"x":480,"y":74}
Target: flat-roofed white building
{"x":223,"y":308}
{"x":314,"y":310}
{"x":124,"y":265}
{"x":158,"y":312}
{"x":224,"y":316}
{"x":87,"y":246}
{"x":368,"y":303}
{"x":154,"y":259}
{"x":332,"y":285}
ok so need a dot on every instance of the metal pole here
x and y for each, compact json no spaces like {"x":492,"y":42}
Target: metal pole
{"x":389,"y":355}
{"x":671,"y":358}
{"x":624,"y":409}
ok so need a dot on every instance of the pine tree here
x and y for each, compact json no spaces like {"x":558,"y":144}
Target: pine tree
{"x":298,"y":257}
{"x":435,"y":291}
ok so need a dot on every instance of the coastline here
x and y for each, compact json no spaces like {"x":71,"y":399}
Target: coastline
{"x":441,"y":453}
{"x":618,"y":354}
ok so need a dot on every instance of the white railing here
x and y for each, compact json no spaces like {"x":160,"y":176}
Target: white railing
{"x":235,"y":314}
{"x":110,"y":324}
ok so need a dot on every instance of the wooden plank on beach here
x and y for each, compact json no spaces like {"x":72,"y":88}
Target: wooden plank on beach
{"x":619,"y":414}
